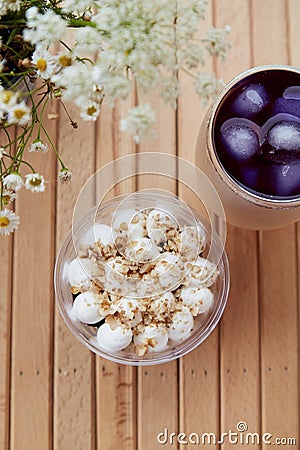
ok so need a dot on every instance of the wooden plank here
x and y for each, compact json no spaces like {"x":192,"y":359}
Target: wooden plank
{"x":239,"y":348}
{"x":294,"y":37}
{"x":74,"y":406}
{"x":199,"y":370}
{"x":279,"y":334}
{"x":32,"y":311}
{"x":116,"y":383}
{"x":5,"y":337}
{"x":158,"y":383}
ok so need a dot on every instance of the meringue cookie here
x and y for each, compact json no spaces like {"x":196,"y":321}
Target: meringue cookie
{"x":192,"y":242}
{"x":86,"y":308}
{"x":158,"y":223}
{"x":155,"y":337}
{"x":80,"y":271}
{"x":163,"y":304}
{"x":141,"y":250}
{"x":98,"y":232}
{"x":169,"y":269}
{"x":181,"y":326}
{"x":129,"y":222}
{"x":114,"y":340}
{"x":198,"y":299}
{"x":128,"y":306}
{"x":203,"y":272}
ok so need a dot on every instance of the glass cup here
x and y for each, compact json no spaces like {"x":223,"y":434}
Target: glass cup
{"x":244,"y":206}
{"x":106,"y":214}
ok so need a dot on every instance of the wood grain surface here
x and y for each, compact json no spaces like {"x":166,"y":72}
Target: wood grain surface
{"x":54,"y":393}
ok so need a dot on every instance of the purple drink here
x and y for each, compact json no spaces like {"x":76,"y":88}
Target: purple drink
{"x":257,"y":133}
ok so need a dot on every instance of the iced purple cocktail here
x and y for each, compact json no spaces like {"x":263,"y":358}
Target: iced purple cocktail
{"x":249,"y":147}
{"x":257,"y":132}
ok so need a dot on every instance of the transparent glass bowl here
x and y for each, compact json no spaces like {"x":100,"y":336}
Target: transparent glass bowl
{"x":204,"y":324}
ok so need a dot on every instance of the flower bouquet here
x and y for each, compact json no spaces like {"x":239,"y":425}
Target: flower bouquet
{"x":116,"y":45}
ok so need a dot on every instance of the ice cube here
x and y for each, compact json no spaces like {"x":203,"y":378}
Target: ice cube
{"x":292,"y":93}
{"x":283,"y":141}
{"x":239,"y":138}
{"x":251,"y":101}
{"x":287,"y":104}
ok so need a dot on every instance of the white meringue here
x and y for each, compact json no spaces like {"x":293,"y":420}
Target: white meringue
{"x":141,"y":250}
{"x":203,"y":272}
{"x":192,"y":242}
{"x":80,"y":271}
{"x":169,"y":269}
{"x":86,"y":308}
{"x":158,"y":222}
{"x":163,"y":304}
{"x":198,"y":299}
{"x":181,"y":326}
{"x":98,"y":232}
{"x":154,"y":336}
{"x":114,"y":340}
{"x":128,"y":306}
{"x":129,"y":222}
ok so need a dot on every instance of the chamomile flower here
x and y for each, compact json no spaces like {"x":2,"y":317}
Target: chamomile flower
{"x":8,"y":197}
{"x":38,"y":146}
{"x":9,"y":221}
{"x":13,"y":181}
{"x":89,"y":110}
{"x":19,"y":114}
{"x":8,"y":99}
{"x":2,"y":150}
{"x":65,"y":176}
{"x":44,"y":62}
{"x":35,"y":182}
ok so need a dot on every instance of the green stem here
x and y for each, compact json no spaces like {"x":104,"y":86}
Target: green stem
{"x":53,"y":147}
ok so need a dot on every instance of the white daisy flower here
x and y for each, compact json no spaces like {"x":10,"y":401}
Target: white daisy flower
{"x":64,"y":59}
{"x":38,"y":146}
{"x":8,"y":197}
{"x":7,"y":99}
{"x":13,"y":181}
{"x":35,"y":182}
{"x":44,"y":62}
{"x":2,"y":150}
{"x":90,"y":111}
{"x":65,"y":176}
{"x":9,"y":221}
{"x":19,"y":114}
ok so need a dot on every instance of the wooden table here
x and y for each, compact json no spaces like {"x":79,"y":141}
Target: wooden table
{"x":56,"y":394}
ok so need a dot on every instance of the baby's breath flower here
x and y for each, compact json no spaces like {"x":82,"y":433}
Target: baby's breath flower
{"x":139,"y":121}
{"x":8,"y":99}
{"x":45,"y":28}
{"x":13,"y":181}
{"x":216,"y":41}
{"x":65,"y":176}
{"x":9,"y":5}
{"x":8,"y":197}
{"x":88,"y":40}
{"x":19,"y":114}
{"x":38,"y":146}
{"x":207,"y":86}
{"x":80,"y":6}
{"x":43,"y":61}
{"x":35,"y":182}
{"x":9,"y":221}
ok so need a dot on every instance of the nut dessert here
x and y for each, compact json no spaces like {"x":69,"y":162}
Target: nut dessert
{"x":142,"y":282}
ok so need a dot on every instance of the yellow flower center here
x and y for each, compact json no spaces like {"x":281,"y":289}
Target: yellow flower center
{"x":4,"y":222}
{"x":91,"y":110}
{"x":35,"y":181}
{"x":19,"y":113}
{"x":41,"y":64}
{"x":65,"y":61}
{"x":6,"y":96}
